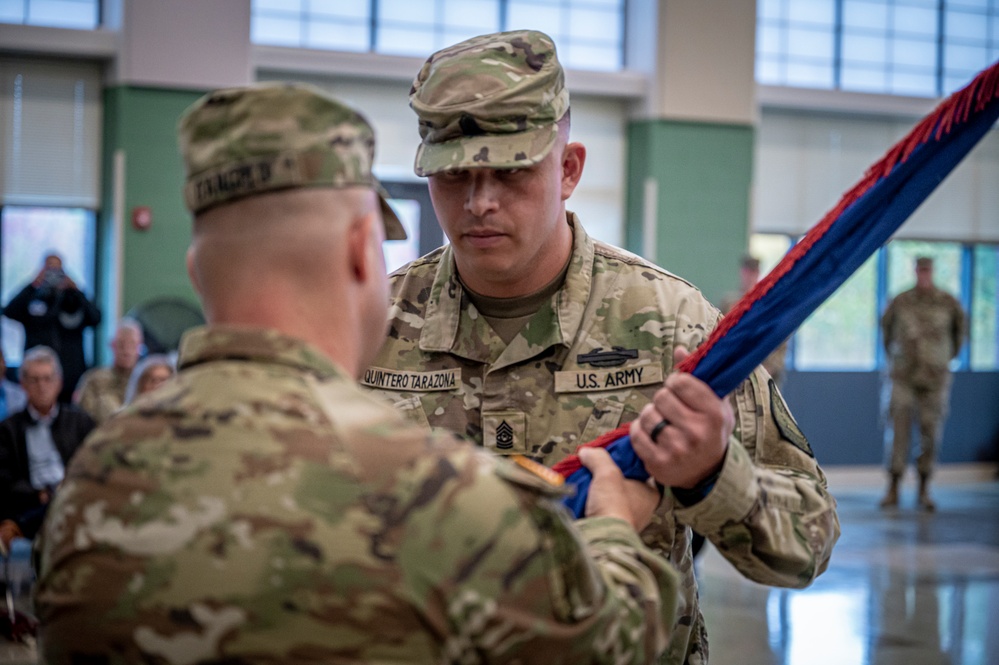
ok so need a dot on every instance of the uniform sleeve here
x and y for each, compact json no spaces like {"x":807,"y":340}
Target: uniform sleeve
{"x":960,"y":327}
{"x":532,"y":587}
{"x":85,"y":394}
{"x":770,"y":513}
{"x":887,"y":323}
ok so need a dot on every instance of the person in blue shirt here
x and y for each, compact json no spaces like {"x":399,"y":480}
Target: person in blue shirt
{"x":12,"y":396}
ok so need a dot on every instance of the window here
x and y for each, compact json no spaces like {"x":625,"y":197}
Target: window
{"x":795,"y":44}
{"x":589,"y":33}
{"x":80,"y":14}
{"x":400,"y":252}
{"x":902,"y":47}
{"x":902,"y":256}
{"x":842,"y":333}
{"x":985,"y":308}
{"x":29,"y":234}
{"x":769,"y":248}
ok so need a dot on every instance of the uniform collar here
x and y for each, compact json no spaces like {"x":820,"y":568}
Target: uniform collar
{"x":218,"y":342}
{"x":450,"y":319}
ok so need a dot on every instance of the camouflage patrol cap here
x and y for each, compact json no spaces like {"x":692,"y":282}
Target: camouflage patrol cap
{"x":492,"y":101}
{"x":256,"y":139}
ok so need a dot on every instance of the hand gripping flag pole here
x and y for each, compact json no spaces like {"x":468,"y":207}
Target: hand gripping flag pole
{"x":863,"y":220}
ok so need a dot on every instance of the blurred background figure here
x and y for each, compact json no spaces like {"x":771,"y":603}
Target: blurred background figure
{"x":749,"y":275}
{"x":923,"y":330}
{"x":12,"y":397}
{"x":101,"y":391}
{"x":36,"y":444}
{"x":55,"y":313}
{"x":149,"y":374}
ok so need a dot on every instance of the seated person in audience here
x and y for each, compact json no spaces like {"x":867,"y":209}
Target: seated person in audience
{"x":102,"y":390}
{"x":36,"y":443}
{"x":149,"y":374}
{"x":12,"y":397}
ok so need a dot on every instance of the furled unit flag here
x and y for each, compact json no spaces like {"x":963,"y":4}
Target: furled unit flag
{"x":823,"y":259}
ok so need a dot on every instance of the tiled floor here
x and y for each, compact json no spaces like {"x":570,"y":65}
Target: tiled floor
{"x":903,"y":588}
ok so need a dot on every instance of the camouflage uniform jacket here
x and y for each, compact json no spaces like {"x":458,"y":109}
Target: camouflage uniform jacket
{"x":260,"y":508}
{"x":102,"y":392}
{"x":588,"y":363}
{"x":922,"y":331}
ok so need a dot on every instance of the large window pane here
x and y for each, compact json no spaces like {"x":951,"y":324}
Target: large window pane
{"x":817,"y":12}
{"x":902,"y":256}
{"x":984,"y":309}
{"x":336,"y":35}
{"x":80,"y":14}
{"x":769,"y":248}
{"x":588,"y":33}
{"x":880,"y":46}
{"x":27,"y":235}
{"x":400,"y":252}
{"x":865,"y":14}
{"x":841,"y":334}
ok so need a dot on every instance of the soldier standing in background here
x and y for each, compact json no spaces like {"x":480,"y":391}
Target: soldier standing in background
{"x":261,"y":508}
{"x":530,"y":337}
{"x":923,"y":329}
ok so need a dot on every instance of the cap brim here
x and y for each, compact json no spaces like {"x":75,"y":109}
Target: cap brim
{"x":489,"y":151}
{"x":394,"y":229}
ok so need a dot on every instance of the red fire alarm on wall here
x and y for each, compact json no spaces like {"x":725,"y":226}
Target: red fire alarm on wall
{"x":142,"y":218}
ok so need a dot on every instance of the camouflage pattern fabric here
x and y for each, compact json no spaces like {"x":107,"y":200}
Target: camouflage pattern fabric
{"x":102,"y":392}
{"x":490,"y":101}
{"x":243,"y":141}
{"x":587,"y":362}
{"x":923,"y":330}
{"x":260,"y":508}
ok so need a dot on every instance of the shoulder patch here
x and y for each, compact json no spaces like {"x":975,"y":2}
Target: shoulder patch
{"x":785,"y":421}
{"x":525,"y":472}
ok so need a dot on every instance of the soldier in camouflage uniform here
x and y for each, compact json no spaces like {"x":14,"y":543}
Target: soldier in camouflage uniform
{"x":102,"y":390}
{"x":261,"y":508}
{"x":529,"y":337}
{"x":923,"y":329}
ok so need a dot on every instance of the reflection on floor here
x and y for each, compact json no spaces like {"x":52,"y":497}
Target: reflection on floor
{"x":903,"y":588}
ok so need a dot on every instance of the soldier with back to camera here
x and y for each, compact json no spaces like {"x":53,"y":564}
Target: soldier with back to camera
{"x":261,"y":508}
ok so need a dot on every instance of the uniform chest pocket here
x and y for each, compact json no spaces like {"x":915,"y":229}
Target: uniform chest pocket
{"x":410,"y":407}
{"x":606,"y":416}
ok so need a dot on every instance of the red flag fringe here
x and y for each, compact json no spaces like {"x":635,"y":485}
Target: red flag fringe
{"x":954,"y":110}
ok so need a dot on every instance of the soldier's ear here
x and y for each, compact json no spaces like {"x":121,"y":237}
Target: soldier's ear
{"x":362,"y":235}
{"x":573,"y":160}
{"x":192,"y":274}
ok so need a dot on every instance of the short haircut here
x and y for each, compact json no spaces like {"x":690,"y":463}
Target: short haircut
{"x":40,"y":354}
{"x":129,"y":323}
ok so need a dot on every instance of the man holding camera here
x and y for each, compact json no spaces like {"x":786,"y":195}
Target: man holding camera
{"x":54,"y":313}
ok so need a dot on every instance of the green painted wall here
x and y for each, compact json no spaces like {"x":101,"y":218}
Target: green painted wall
{"x":142,"y":122}
{"x":703,"y":173}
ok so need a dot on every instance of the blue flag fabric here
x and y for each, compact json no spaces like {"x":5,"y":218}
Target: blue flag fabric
{"x":827,"y":256}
